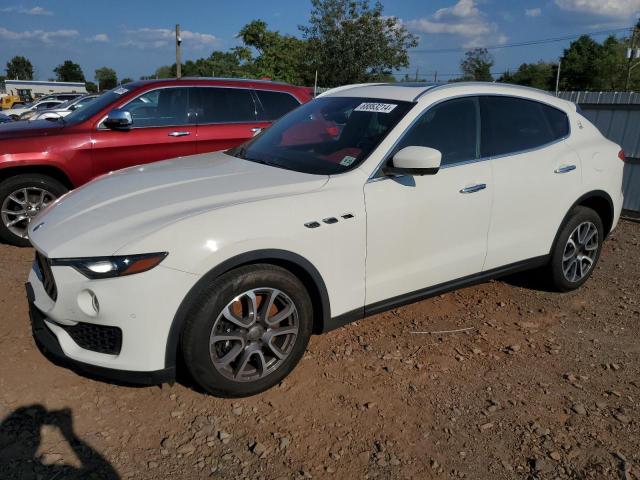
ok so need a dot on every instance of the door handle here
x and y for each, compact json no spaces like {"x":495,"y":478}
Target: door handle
{"x":179,"y":134}
{"x":474,"y":188}
{"x":564,"y":169}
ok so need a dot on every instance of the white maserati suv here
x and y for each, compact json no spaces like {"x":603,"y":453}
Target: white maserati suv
{"x":367,"y":198}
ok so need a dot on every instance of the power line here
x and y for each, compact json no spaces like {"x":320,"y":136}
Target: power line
{"x":525,"y":43}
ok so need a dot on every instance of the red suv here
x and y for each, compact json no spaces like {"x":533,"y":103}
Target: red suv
{"x":136,"y":123}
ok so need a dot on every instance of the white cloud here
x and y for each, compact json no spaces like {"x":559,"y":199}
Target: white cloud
{"x":163,"y":37}
{"x":99,"y":37}
{"x":533,"y":12}
{"x":605,"y":8}
{"x":464,"y":19}
{"x":43,"y":36}
{"x":26,"y":11}
{"x":462,"y":9}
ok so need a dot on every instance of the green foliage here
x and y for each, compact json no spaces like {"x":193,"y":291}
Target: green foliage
{"x":281,"y":57}
{"x":91,"y":87}
{"x":106,"y":78}
{"x":350,"y":41}
{"x":589,"y":65}
{"x":540,"y":75}
{"x":347,"y":41}
{"x":19,"y":68}
{"x":126,"y":80}
{"x":69,"y":72}
{"x":476,"y":65}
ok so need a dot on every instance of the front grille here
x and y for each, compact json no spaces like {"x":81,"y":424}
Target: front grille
{"x":97,"y":338}
{"x":49,"y":283}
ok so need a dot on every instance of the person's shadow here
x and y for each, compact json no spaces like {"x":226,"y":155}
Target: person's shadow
{"x":20,"y":435}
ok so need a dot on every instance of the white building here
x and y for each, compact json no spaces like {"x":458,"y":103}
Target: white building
{"x":43,"y":88}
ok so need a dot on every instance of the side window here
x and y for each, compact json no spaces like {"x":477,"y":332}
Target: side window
{"x":225,"y":105}
{"x":558,"y":121}
{"x":276,"y":104}
{"x":451,"y":127}
{"x":160,"y":108}
{"x":511,"y":125}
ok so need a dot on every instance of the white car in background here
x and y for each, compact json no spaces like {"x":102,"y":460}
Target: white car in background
{"x":365,"y":199}
{"x":17,"y":113}
{"x":63,"y":109}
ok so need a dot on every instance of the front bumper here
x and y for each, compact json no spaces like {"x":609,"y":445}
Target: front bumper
{"x":50,"y":347}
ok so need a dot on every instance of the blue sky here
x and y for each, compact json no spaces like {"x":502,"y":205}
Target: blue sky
{"x":135,"y":37}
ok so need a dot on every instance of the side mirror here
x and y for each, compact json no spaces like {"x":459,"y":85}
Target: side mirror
{"x":118,"y":119}
{"x":414,"y":161}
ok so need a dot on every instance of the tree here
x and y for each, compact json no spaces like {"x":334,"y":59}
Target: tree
{"x":106,"y":78}
{"x":69,"y":72}
{"x":280,"y":57}
{"x":540,"y":75}
{"x":126,"y":80}
{"x":476,"y":65}
{"x":19,"y":68}
{"x":349,"y":41}
{"x":91,"y":87}
{"x":589,"y":65}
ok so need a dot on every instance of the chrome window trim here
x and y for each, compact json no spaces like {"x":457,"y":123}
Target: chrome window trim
{"x":374,"y":177}
{"x":101,"y":127}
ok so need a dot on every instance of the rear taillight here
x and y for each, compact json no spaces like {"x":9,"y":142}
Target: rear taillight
{"x":621,"y":156}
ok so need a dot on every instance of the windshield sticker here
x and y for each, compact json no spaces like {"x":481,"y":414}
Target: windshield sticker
{"x":348,"y":160}
{"x":120,"y":90}
{"x":375,"y":107}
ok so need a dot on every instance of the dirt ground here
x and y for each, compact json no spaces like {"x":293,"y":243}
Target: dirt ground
{"x":540,"y":385}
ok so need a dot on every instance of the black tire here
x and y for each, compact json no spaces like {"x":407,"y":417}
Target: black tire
{"x":16,"y":183}
{"x":195,"y":338}
{"x":578,"y":216}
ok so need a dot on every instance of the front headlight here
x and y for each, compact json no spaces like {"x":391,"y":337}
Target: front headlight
{"x":108,"y":267}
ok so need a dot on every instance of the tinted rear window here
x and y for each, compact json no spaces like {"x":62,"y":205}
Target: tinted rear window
{"x":558,"y":121}
{"x":276,"y":104}
{"x":225,"y":105}
{"x":511,"y":125}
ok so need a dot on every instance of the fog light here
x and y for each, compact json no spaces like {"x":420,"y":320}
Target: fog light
{"x":88,"y":303}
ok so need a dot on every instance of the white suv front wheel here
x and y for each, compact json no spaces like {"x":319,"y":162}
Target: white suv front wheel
{"x":247,"y":331}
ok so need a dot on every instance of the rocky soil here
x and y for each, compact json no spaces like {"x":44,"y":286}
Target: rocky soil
{"x":529,"y":385}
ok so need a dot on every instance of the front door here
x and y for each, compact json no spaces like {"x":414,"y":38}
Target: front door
{"x":423,"y":231}
{"x":163,"y":127}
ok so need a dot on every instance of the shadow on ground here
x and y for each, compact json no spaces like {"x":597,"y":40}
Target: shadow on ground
{"x":20,"y":436}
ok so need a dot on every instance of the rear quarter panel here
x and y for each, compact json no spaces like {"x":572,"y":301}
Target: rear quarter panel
{"x":601,"y":167}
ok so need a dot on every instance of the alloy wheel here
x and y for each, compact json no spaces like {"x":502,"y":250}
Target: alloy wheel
{"x":580,"y":252}
{"x":254,"y":334}
{"x":20,"y":206}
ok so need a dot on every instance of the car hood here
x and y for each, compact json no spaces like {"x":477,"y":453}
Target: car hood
{"x":115,"y":209}
{"x":28,"y":129}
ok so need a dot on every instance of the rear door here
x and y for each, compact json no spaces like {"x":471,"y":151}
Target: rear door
{"x":227,"y":117}
{"x":536,"y":176}
{"x":275,"y":104}
{"x":163,"y":127}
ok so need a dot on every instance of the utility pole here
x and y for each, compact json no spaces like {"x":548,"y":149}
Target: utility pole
{"x":416,"y":74}
{"x":315,"y":85}
{"x":178,"y":42}
{"x":558,"y":76}
{"x":632,"y":53}
{"x":435,"y":77}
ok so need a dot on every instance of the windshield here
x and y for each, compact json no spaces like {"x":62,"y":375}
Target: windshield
{"x":326,"y":136}
{"x":97,"y":104}
{"x":66,"y":104}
